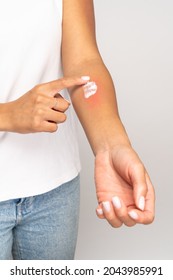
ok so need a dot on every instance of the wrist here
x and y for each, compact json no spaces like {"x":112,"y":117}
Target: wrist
{"x":112,"y":138}
{"x":112,"y":146}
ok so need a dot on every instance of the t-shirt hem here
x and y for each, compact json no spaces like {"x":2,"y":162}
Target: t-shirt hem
{"x":55,"y":183}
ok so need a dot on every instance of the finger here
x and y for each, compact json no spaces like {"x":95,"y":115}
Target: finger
{"x":150,"y":198}
{"x":60,"y":104}
{"x":110,"y":214}
{"x":99,"y":212}
{"x":55,"y":116}
{"x":54,"y":87}
{"x":138,"y":178}
{"x":141,"y":217}
{"x":49,"y":127}
{"x":122,"y":212}
{"x":146,"y":216}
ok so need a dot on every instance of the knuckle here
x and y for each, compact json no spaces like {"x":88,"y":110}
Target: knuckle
{"x":49,"y":126}
{"x":122,"y":215}
{"x":114,"y":222}
{"x":138,"y":167}
{"x":38,"y":88}
{"x":63,"y":117}
{"x":150,"y":219}
{"x":116,"y":225}
{"x":39,"y":112}
{"x":130,"y":224}
{"x":53,"y":128}
{"x":65,"y":107}
{"x":38,"y":99}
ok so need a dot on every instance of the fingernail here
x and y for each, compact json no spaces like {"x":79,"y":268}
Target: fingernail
{"x":90,"y":88}
{"x":85,"y":78}
{"x":116,"y":202}
{"x":99,"y":211}
{"x":141,"y":204}
{"x":133,"y":215}
{"x":106,"y":206}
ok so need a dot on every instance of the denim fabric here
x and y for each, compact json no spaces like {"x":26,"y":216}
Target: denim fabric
{"x":43,"y":227}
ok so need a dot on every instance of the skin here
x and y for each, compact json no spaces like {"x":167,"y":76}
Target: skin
{"x":118,"y":170}
{"x":41,"y":109}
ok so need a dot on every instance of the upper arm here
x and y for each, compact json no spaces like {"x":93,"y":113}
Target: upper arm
{"x":78,"y":40}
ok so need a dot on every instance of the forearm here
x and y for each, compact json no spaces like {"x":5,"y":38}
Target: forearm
{"x":98,"y":114}
{"x":80,"y":56}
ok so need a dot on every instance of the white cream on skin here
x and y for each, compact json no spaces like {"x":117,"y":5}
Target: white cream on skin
{"x":90,"y":87}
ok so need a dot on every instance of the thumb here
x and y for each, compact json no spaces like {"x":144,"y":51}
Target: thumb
{"x":140,"y":188}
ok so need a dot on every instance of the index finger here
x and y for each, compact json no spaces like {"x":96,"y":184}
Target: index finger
{"x":53,"y":87}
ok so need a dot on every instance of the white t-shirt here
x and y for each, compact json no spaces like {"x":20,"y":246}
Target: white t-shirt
{"x":30,"y":42}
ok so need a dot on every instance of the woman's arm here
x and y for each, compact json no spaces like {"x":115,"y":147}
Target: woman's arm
{"x":125,"y":181}
{"x":98,"y":114}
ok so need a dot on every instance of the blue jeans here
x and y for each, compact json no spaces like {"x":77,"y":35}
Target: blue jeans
{"x":43,"y":227}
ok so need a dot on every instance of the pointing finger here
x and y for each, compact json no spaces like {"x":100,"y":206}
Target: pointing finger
{"x":53,"y":87}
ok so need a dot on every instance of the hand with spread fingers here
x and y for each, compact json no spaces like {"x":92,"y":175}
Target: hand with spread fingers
{"x":124,"y":191}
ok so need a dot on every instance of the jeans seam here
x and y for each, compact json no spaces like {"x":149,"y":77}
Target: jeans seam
{"x":16,"y":251}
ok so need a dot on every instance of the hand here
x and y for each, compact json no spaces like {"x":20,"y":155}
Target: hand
{"x":124,"y":191}
{"x":41,"y":109}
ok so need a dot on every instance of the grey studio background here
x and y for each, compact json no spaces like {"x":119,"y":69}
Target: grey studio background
{"x":136,"y":41}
